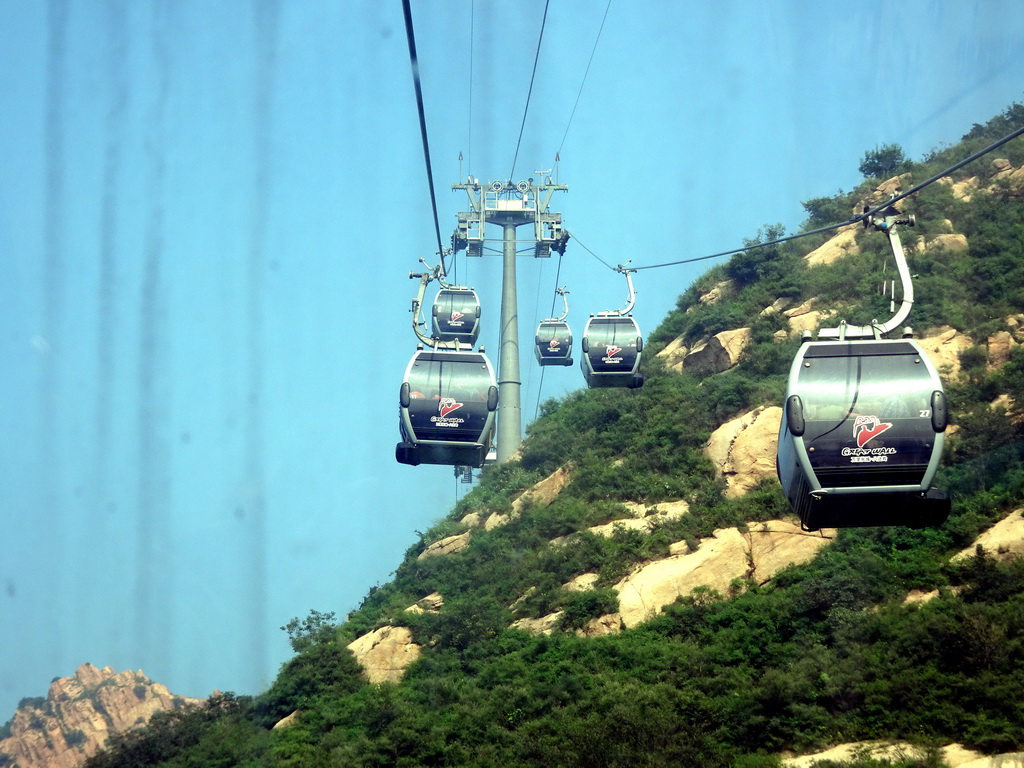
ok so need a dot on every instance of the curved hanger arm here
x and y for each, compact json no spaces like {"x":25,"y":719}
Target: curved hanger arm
{"x":886,"y":224}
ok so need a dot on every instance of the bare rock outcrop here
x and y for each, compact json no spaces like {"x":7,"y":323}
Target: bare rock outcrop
{"x":385,"y":652}
{"x":544,"y":625}
{"x":1002,"y":175}
{"x":743,"y":449}
{"x":674,"y":354}
{"x":805,"y":317}
{"x":1000,"y":345}
{"x":609,"y":624}
{"x":717,"y":293}
{"x":1004,"y":540}
{"x":884,"y":191}
{"x":952,"y":242}
{"x":80,"y":713}
{"x":962,"y":190}
{"x":775,"y":307}
{"x":644,"y":518}
{"x":541,"y":493}
{"x":544,"y":492}
{"x":944,"y":346}
{"x":954,"y":755}
{"x":843,"y":244}
{"x":430,"y":604}
{"x":728,"y":555}
{"x":719,"y":353}
{"x":449,"y":545}
{"x":1016,"y":325}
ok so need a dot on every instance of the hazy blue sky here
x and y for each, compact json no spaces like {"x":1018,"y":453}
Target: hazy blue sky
{"x":208,"y":211}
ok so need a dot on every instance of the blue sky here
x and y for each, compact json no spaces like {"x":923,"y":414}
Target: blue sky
{"x":208,"y":211}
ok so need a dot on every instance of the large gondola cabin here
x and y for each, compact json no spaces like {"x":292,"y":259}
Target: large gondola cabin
{"x":456,"y":315}
{"x":447,"y":405}
{"x":861,"y":435}
{"x":553,"y":343}
{"x":612,"y":344}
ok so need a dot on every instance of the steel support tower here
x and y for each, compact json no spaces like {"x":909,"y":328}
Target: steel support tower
{"x":511,"y":205}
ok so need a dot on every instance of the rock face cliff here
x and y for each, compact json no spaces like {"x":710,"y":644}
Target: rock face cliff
{"x":79,"y":714}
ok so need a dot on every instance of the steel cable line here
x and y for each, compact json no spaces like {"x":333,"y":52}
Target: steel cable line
{"x":585,"y":73}
{"x":584,"y":247}
{"x":529,"y":93}
{"x":411,"y":37}
{"x":853,"y":220}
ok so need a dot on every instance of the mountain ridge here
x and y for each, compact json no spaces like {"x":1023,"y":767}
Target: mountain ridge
{"x":744,"y":672}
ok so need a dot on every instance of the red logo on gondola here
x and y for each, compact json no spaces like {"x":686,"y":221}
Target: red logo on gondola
{"x":456,"y":316}
{"x":611,"y":351}
{"x":446,"y":405}
{"x":553,"y":345}
{"x":867,"y":428}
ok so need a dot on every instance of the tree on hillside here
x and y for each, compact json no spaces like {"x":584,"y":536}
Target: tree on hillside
{"x":883,"y":161}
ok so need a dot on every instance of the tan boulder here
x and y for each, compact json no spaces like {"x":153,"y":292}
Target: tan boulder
{"x":447,"y":546}
{"x":473,"y":520}
{"x":951,"y":242}
{"x":430,"y":604}
{"x":729,"y":554}
{"x":954,"y":755}
{"x":385,"y":652}
{"x":1001,"y":167}
{"x":496,"y":520}
{"x":609,"y":624}
{"x":718,"y":353}
{"x":673,"y":354}
{"x":743,"y":449}
{"x":540,"y":493}
{"x":1016,"y":325}
{"x":544,"y":492}
{"x":287,"y":721}
{"x":1004,"y":540}
{"x":843,"y":244}
{"x":642,"y":518}
{"x":1000,"y":344}
{"x":544,"y":625}
{"x":806,"y":318}
{"x":717,"y":292}
{"x":778,"y":543}
{"x":884,"y":191}
{"x":775,"y":307}
{"x":920,"y":596}
{"x":719,"y":560}
{"x":943,"y":347}
{"x":1005,"y":760}
{"x":668,"y":510}
{"x":581,"y":583}
{"x":962,"y":190}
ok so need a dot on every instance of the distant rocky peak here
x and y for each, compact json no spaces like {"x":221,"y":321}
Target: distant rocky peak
{"x":79,"y":714}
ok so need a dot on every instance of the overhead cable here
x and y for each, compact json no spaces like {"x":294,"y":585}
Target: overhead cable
{"x":584,"y":247}
{"x":853,"y":220}
{"x":423,"y":125}
{"x":529,"y":93}
{"x":587,"y":72}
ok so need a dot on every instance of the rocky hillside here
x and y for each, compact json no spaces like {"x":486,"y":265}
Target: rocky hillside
{"x":631,"y":589}
{"x":78,"y":715}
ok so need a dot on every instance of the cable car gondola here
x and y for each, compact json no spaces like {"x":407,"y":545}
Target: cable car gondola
{"x":612,"y":344}
{"x":863,"y":425}
{"x":446,"y":408}
{"x":553,"y":342}
{"x":456,"y":315}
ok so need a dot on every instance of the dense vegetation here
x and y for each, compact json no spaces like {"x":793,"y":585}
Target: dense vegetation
{"x":827,"y":652}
